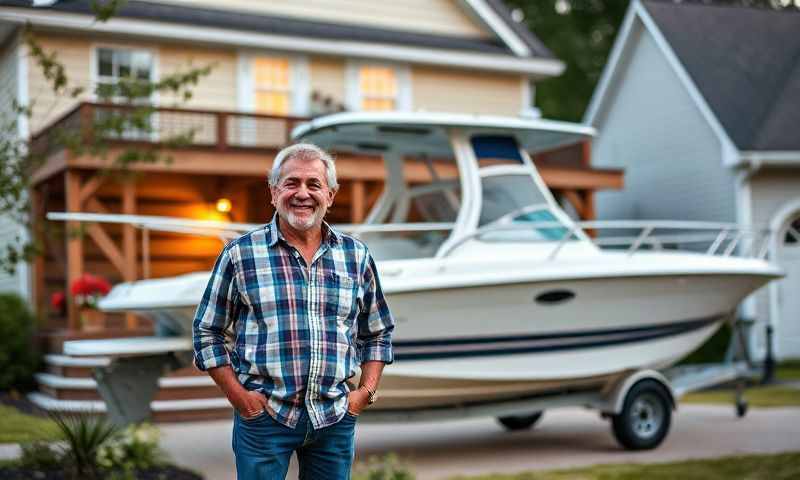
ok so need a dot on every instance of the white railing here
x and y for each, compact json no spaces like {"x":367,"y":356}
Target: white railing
{"x":722,"y":238}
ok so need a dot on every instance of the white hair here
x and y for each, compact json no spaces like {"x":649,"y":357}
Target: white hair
{"x":303,"y":150}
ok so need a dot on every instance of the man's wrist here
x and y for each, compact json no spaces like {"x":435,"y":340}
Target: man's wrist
{"x":372,"y":395}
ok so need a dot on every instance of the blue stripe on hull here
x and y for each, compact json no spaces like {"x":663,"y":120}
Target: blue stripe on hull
{"x":508,"y":345}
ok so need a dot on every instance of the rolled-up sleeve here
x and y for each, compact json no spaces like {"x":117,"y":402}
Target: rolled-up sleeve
{"x":217,"y":310}
{"x":375,"y":322}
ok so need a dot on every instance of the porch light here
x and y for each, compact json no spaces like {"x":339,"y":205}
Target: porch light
{"x":223,"y":205}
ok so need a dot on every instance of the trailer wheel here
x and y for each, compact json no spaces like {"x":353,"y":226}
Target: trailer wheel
{"x":520,"y":422}
{"x":645,"y":418}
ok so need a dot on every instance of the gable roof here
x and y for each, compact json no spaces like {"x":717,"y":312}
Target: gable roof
{"x":510,"y":37}
{"x":740,"y":64}
{"x":746,"y":64}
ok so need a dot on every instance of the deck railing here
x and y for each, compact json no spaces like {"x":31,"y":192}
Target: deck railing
{"x":219,"y":130}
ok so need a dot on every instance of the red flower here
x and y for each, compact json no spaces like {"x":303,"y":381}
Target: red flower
{"x":88,"y":284}
{"x":58,"y":301}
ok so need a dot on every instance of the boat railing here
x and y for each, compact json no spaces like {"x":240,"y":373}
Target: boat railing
{"x":723,"y":239}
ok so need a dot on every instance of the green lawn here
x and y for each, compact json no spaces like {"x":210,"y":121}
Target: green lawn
{"x":789,"y":371}
{"x":770,"y":396}
{"x":16,"y":427}
{"x":750,"y":467}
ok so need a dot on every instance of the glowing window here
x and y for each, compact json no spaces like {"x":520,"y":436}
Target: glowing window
{"x":272,"y":85}
{"x":378,"y":86}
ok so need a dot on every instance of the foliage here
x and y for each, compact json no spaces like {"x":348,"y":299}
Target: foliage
{"x":40,"y":455}
{"x":789,"y":371}
{"x":782,"y":466}
{"x":385,"y":468}
{"x":84,"y":435}
{"x":581,"y":34}
{"x":134,"y":114}
{"x":19,"y":359}
{"x":17,"y":427}
{"x":134,"y":448}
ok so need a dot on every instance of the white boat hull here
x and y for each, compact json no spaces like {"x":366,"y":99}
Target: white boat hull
{"x":483,"y":344}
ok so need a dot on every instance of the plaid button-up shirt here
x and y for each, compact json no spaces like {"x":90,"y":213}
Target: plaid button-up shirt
{"x":293,"y":331}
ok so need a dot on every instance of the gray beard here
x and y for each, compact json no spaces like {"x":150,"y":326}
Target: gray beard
{"x":314,"y":220}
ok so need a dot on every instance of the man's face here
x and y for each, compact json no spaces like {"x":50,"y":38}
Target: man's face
{"x":302,"y":195}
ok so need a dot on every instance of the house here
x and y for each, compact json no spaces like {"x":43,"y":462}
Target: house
{"x":275,"y":64}
{"x":699,"y":104}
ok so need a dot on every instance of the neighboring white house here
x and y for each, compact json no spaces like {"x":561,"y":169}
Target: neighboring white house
{"x":700,"y":104}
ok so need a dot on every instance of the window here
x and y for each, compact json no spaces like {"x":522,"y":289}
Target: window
{"x":272,"y":85}
{"x":114,"y":64}
{"x":378,"y":86}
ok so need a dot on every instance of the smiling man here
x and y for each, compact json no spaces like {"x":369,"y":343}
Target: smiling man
{"x":301,"y":308}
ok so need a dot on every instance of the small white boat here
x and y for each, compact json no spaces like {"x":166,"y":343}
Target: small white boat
{"x":499,"y":296}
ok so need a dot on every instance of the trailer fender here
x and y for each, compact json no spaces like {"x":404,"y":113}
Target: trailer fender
{"x":616,"y":398}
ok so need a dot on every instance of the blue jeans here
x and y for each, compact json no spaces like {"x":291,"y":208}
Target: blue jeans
{"x":263,"y":448}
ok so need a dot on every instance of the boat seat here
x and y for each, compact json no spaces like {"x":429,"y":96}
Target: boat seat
{"x":127,"y":347}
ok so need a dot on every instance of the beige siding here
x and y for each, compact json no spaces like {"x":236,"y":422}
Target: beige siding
{"x":444,"y":17}
{"x":328,"y":78}
{"x":465,"y":91}
{"x":216,"y":91}
{"x":74,"y":53}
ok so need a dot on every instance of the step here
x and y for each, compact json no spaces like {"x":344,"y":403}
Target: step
{"x":68,"y":366}
{"x":163,"y":410}
{"x":85,"y":388}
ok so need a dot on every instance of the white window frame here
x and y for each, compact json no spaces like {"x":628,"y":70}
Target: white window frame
{"x":299,"y":81}
{"x":154,"y":76}
{"x":95,"y":75}
{"x":353,"y":96}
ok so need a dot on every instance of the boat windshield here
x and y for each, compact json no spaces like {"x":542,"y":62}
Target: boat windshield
{"x":516,"y":200}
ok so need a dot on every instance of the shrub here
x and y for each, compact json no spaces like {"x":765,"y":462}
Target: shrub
{"x":385,"y":468}
{"x":19,"y":359}
{"x":40,"y":455}
{"x":134,"y":448}
{"x":84,"y":435}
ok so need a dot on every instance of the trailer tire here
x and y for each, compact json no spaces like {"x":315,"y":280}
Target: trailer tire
{"x":519,"y":422}
{"x":645,"y":418}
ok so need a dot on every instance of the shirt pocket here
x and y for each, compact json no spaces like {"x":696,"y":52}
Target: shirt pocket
{"x":345,"y":295}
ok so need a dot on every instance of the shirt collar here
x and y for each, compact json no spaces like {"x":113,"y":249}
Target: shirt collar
{"x":332,"y":236}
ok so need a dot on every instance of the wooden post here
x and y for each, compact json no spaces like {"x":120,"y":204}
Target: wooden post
{"x":129,"y":242}
{"x":357,"y":202}
{"x":38,"y":281}
{"x":222,"y":131}
{"x":72,"y":189}
{"x":586,"y":153}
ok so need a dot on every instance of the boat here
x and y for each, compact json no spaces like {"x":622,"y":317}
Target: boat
{"x":498,"y":294}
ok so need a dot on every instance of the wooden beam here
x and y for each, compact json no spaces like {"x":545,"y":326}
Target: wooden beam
{"x":90,"y":187}
{"x":107,"y":246}
{"x":576,"y":201}
{"x":96,"y":206}
{"x":586,"y":153}
{"x":72,"y":189}
{"x":37,"y":282}
{"x":581,"y":179}
{"x":53,"y":165}
{"x":129,"y":243}
{"x":357,"y":202}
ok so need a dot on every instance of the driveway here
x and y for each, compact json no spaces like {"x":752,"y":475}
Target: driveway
{"x":563,"y":438}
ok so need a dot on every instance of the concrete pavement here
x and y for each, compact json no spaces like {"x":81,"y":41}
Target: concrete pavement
{"x":564,"y":438}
